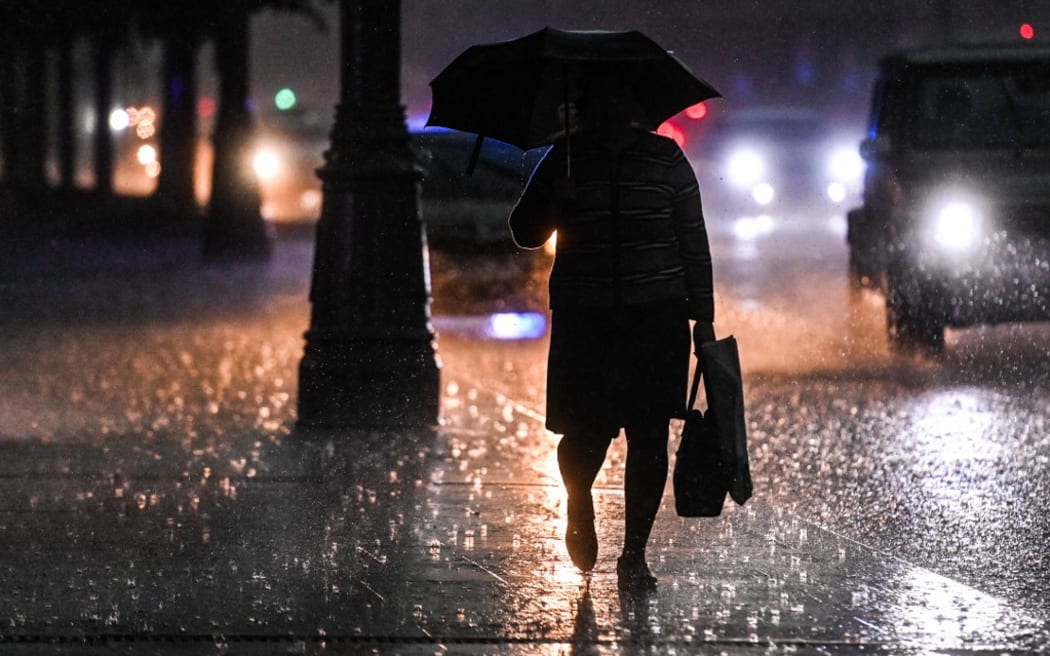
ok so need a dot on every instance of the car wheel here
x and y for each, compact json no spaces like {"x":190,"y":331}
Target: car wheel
{"x":911,"y":323}
{"x":862,"y":250}
{"x":860,"y":276}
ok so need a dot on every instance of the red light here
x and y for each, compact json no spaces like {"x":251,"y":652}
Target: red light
{"x":1027,"y":31}
{"x":205,"y":107}
{"x":697,"y":111}
{"x":672,"y":131}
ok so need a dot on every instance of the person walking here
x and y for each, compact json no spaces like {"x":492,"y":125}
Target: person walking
{"x":632,"y":268}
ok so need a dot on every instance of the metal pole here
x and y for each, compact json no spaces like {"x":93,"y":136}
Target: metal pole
{"x":370,"y":359}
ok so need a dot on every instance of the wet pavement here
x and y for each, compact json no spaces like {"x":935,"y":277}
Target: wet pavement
{"x":155,"y":496}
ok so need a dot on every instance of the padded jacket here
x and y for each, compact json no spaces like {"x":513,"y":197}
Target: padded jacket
{"x":631,"y":231}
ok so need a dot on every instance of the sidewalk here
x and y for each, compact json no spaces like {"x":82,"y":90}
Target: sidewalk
{"x":155,"y":498}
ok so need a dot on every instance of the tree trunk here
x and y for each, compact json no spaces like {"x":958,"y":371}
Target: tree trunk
{"x":103,"y":62}
{"x":32,"y":119}
{"x":235,"y":226}
{"x":8,"y":113}
{"x":178,"y":128}
{"x":66,"y":141}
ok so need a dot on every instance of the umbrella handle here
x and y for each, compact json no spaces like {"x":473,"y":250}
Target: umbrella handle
{"x":474,"y":154}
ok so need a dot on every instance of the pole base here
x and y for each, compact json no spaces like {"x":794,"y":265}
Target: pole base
{"x":369,"y":384}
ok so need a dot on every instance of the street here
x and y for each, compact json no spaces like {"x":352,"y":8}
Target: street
{"x":153,"y":481}
{"x":939,"y":460}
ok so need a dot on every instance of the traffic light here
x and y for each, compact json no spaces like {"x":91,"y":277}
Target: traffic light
{"x":1027,"y":31}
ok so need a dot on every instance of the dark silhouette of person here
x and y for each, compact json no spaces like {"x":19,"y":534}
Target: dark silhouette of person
{"x":632,"y":267}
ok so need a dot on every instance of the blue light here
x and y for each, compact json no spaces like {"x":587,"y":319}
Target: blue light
{"x":417,"y":121}
{"x":516,"y":325}
{"x":500,"y":326}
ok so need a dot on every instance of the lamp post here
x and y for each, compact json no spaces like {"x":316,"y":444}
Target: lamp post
{"x":370,"y":358}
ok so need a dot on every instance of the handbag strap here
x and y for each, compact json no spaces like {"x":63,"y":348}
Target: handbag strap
{"x":695,"y":388}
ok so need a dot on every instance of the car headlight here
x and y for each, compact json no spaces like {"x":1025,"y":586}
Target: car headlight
{"x":763,"y":193}
{"x":745,"y":167}
{"x":750,"y":228}
{"x":956,"y":225}
{"x":266,"y":164}
{"x":845,"y":165}
{"x":836,"y":192}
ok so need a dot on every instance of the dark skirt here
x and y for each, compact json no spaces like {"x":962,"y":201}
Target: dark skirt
{"x":608,"y":370}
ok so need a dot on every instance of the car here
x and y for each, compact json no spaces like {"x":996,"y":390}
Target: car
{"x":461,"y":210}
{"x":779,"y":163}
{"x":470,"y":210}
{"x":954,"y":228}
{"x":289,"y":148}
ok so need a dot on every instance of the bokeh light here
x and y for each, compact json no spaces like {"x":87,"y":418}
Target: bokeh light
{"x":763,"y":193}
{"x":206,"y":107}
{"x":285,"y":99}
{"x":119,"y":120}
{"x":697,"y":111}
{"x":146,"y":154}
{"x":266,"y":165}
{"x":836,"y":192}
{"x":672,"y":131}
{"x":516,"y":325}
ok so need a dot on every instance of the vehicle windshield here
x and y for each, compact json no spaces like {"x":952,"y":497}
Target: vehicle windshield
{"x":985,"y":108}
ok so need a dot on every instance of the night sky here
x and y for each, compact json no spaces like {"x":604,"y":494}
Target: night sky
{"x":768,"y":52}
{"x":289,"y":51}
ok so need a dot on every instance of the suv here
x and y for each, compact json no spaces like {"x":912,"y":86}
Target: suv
{"x":955,"y":224}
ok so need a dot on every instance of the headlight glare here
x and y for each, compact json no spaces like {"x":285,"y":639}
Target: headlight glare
{"x":745,"y":167}
{"x":266,"y":164}
{"x":836,"y":192}
{"x":763,"y":193}
{"x":845,"y":164}
{"x":957,"y":226}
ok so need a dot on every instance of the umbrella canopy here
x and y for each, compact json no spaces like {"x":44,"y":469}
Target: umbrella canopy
{"x":515,"y":91}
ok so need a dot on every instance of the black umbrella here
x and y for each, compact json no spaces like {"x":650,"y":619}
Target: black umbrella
{"x":517,"y":91}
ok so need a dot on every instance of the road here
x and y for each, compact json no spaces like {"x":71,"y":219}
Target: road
{"x":940,"y":461}
{"x":147,"y":406}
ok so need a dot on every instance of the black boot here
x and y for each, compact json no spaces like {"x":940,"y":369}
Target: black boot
{"x":633,"y":574}
{"x":580,"y":537}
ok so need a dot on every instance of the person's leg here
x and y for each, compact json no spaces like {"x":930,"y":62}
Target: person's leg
{"x":644,"y":480}
{"x":580,"y":459}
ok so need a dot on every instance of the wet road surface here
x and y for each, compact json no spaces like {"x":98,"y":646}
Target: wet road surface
{"x":156,"y":495}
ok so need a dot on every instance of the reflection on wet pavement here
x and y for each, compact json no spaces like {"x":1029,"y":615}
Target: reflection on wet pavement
{"x":152,"y":487}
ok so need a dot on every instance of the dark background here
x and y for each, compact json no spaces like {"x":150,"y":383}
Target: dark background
{"x":755,"y":52}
